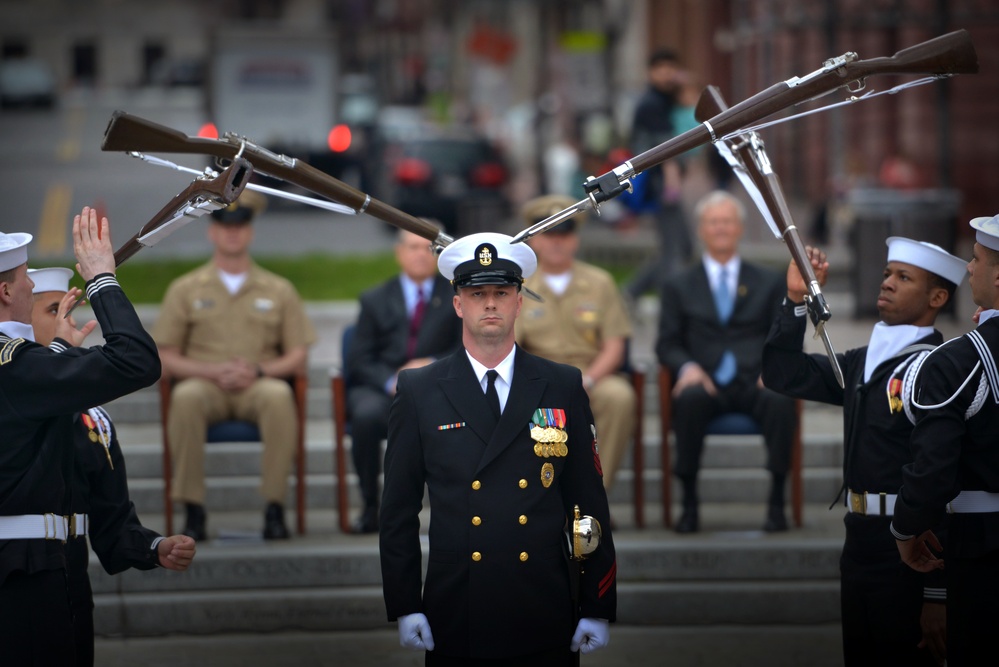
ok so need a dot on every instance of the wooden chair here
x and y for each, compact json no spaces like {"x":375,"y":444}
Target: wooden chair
{"x":238,"y":431}
{"x":732,"y":423}
{"x":341,"y":427}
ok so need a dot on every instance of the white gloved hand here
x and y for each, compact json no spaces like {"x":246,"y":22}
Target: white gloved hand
{"x":414,"y":632}
{"x":591,"y":634}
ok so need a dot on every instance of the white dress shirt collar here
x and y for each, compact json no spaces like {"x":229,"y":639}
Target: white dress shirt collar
{"x":504,"y":370}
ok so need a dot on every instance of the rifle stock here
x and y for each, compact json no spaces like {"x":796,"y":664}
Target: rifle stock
{"x":126,"y":132}
{"x":948,"y":54}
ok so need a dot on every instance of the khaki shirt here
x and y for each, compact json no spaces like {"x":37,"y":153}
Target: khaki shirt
{"x":571,"y":328}
{"x":262,"y":321}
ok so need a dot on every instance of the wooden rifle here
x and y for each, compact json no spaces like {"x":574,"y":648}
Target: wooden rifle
{"x":941,"y":56}
{"x":129,"y":133}
{"x":748,"y":158}
{"x":204,"y":195}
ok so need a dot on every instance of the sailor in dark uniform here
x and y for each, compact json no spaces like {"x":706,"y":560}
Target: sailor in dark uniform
{"x":889,"y":614}
{"x":101,"y":506}
{"x":505,"y":443}
{"x":955,"y":398}
{"x":40,"y":391}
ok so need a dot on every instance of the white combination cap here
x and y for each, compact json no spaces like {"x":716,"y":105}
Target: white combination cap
{"x":987,"y":231}
{"x":13,"y":250}
{"x":487,"y":259}
{"x":55,"y":279}
{"x":927,"y":256}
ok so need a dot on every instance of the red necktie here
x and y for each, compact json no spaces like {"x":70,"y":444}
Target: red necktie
{"x":414,"y":322}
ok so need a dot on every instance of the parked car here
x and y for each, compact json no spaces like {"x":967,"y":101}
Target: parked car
{"x":26,"y":82}
{"x":458,"y":178}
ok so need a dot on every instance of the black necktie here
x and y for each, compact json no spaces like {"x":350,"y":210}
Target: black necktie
{"x":491,"y":396}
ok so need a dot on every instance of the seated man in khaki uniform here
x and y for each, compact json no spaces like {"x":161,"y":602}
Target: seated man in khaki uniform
{"x":230,"y":333}
{"x":583,"y":323}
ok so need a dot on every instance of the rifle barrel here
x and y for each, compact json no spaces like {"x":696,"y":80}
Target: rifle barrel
{"x":126,"y":132}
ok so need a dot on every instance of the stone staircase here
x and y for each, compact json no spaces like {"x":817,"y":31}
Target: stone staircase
{"x":730,"y":573}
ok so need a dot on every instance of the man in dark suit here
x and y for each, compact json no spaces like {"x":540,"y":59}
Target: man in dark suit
{"x":504,"y":442}
{"x":406,"y":322}
{"x":714,"y":319}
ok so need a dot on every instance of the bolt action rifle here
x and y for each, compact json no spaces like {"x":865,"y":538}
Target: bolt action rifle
{"x":207,"y":193}
{"x":939,"y":57}
{"x":748,"y":158}
{"x":132,"y":134}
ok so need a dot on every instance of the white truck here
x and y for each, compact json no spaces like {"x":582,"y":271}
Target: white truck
{"x":279,"y":90}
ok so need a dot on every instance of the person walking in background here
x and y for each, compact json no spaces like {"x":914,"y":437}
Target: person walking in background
{"x":406,"y":322}
{"x":504,"y":441}
{"x":888,"y":615}
{"x":713,"y":320}
{"x":581,"y":322}
{"x":231,"y":333}
{"x":658,"y":190}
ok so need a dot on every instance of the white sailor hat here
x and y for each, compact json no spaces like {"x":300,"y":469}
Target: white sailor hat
{"x":927,"y":256}
{"x":13,"y":250}
{"x":54,"y":279}
{"x":987,"y":231}
{"x":487,"y":259}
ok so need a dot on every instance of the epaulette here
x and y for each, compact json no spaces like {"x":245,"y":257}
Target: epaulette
{"x":9,"y":345}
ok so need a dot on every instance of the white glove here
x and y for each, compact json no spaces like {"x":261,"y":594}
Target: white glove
{"x":414,"y":633}
{"x":591,"y":634}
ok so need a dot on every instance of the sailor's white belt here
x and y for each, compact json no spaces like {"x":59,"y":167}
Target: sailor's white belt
{"x":968,"y":502}
{"x":43,"y":526}
{"x":871,"y":504}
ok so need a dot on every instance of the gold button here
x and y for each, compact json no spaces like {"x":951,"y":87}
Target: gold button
{"x":476,"y":556}
{"x":476,"y":485}
{"x":523,"y":556}
{"x":522,"y":519}
{"x":476,"y":521}
{"x":522,"y":483}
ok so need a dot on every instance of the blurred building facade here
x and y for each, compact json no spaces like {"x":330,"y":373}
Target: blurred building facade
{"x":534,"y":74}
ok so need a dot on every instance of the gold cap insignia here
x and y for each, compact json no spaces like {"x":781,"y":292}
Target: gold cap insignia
{"x":485,"y":255}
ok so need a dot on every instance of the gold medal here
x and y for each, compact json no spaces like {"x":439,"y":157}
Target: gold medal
{"x":547,"y":474}
{"x":537,"y":433}
{"x":537,"y":449}
{"x":92,"y":435}
{"x":562,"y":449}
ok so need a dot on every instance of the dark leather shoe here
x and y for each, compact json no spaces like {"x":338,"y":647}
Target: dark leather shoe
{"x":776,"y":522}
{"x":688,"y":522}
{"x":366,"y":523}
{"x":274,"y":528}
{"x":194,"y":526}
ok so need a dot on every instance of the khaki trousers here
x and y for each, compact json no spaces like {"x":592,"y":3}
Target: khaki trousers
{"x":197,"y":403}
{"x":612,"y":400}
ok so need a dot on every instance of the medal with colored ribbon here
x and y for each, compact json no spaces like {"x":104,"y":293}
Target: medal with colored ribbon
{"x":99,"y":431}
{"x":894,"y":395}
{"x":548,"y":432}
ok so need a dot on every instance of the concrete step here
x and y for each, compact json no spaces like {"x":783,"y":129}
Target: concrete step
{"x":331,"y":582}
{"x":732,"y":470}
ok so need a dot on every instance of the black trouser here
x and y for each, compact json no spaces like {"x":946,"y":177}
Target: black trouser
{"x":36,"y":626}
{"x":81,"y":599}
{"x":554,"y":658}
{"x":695,"y":408}
{"x":972,"y":609}
{"x":368,"y":411}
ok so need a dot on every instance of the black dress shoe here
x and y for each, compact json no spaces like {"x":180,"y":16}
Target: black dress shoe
{"x":366,"y":523}
{"x":194,"y":526}
{"x":274,"y":528}
{"x":775,"y":522}
{"x":688,"y":522}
